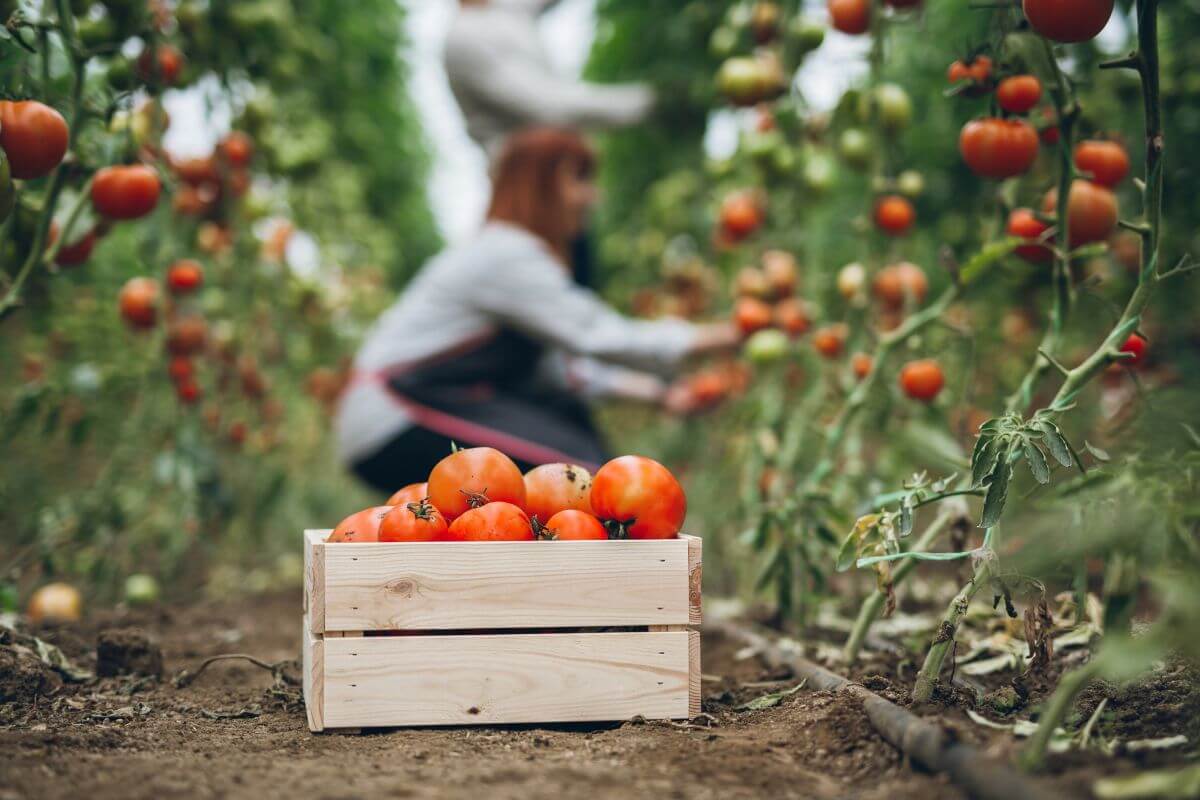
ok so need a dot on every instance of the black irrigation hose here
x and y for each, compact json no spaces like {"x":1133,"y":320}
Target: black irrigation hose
{"x":924,"y":742}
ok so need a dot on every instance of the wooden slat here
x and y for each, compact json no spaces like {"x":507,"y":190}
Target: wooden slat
{"x":314,"y":579}
{"x":313,"y":656}
{"x":695,"y":578}
{"x":510,"y":678}
{"x":694,"y":674}
{"x":465,"y":585}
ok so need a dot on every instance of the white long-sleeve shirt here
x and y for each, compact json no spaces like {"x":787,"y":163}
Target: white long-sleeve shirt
{"x":504,"y":277}
{"x":503,"y":80}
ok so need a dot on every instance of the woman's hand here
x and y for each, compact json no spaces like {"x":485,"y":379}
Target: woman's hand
{"x":715,"y":336}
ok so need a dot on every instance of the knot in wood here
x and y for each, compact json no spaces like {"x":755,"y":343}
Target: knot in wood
{"x":404,"y":587}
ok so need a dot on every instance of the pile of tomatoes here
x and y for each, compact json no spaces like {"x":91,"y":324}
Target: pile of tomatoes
{"x":479,"y":495}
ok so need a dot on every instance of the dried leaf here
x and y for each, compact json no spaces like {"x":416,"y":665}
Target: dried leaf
{"x":771,"y":699}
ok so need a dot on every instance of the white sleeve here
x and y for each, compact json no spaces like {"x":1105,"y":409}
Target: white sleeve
{"x":533,"y":293}
{"x":590,"y":377}
{"x":524,"y":91}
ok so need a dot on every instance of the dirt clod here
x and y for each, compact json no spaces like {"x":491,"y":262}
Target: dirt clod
{"x":24,"y":676}
{"x":127,"y":652}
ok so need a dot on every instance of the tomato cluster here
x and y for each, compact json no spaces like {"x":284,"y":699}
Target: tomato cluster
{"x":479,"y":495}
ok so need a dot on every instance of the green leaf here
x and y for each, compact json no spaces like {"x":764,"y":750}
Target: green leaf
{"x":906,"y":517}
{"x":986,"y":257}
{"x":1097,"y":453}
{"x":983,"y":461}
{"x":772,"y":699}
{"x":1056,"y":443}
{"x":1037,"y":462}
{"x":997,"y":493}
{"x":1091,"y":250}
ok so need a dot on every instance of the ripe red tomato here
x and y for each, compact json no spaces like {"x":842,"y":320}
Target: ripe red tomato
{"x":894,"y":215}
{"x":707,"y":388}
{"x":413,"y":493}
{"x":70,"y":255}
{"x":830,"y":340}
{"x":184,"y":276}
{"x":1137,"y":346}
{"x":638,"y":498}
{"x":791,"y":317}
{"x":196,"y":171}
{"x":187,"y":335}
{"x":1019,"y":94}
{"x":1107,"y":162}
{"x":180,"y":369}
{"x":188,"y":392}
{"x":138,"y":301}
{"x":1022,"y":223}
{"x":922,"y":380}
{"x":170,"y":64}
{"x":897,"y":284}
{"x":472,"y":477}
{"x":1068,"y":20}
{"x":125,"y":192}
{"x":552,"y":488}
{"x":494,"y":522}
{"x":850,"y":16}
{"x":740,"y":215}
{"x":361,"y":526}
{"x":34,"y":137}
{"x":571,"y":525}
{"x":978,"y":72}
{"x":750,"y":315}
{"x":782,"y":272}
{"x":238,"y":148}
{"x":1091,"y":211}
{"x":413,"y":522}
{"x":998,"y":148}
{"x":861,"y":363}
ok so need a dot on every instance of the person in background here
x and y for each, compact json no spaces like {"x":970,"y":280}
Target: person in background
{"x":469,"y":353}
{"x":504,"y":82}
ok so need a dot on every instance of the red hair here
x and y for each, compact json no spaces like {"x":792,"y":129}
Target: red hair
{"x":527,"y":190}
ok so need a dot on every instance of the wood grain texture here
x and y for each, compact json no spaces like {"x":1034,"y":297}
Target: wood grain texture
{"x":694,"y":674}
{"x":313,"y":657}
{"x":314,"y":578}
{"x":695,"y":552}
{"x":510,"y":678}
{"x":452,"y":586}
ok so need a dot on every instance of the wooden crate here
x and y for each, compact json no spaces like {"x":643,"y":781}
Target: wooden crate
{"x":466,"y":633}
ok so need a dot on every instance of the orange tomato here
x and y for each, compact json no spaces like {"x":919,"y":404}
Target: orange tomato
{"x":494,"y":522}
{"x":998,"y":148}
{"x":413,"y":493}
{"x":552,"y":488}
{"x":572,"y":525}
{"x":34,"y":137}
{"x":638,"y":498}
{"x":1022,"y":223}
{"x":1106,"y":162}
{"x":740,"y":215}
{"x":894,"y":215}
{"x":861,"y":364}
{"x":1091,"y":211}
{"x":922,"y":380}
{"x":898,"y":284}
{"x":184,"y":276}
{"x":829,"y":340}
{"x":750,"y":315}
{"x":413,"y":522}
{"x":361,"y":526}
{"x":791,"y":317}
{"x":138,"y":302}
{"x":850,"y":16}
{"x":125,"y":192}
{"x":473,"y":477}
{"x":1019,"y":94}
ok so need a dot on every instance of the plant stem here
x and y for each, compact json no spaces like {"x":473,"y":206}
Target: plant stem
{"x":1067,"y":111}
{"x":64,"y":237}
{"x":1145,"y":61}
{"x":1033,"y":756}
{"x":858,"y":398}
{"x":928,"y":676}
{"x":12,"y":297}
{"x":871,"y":606}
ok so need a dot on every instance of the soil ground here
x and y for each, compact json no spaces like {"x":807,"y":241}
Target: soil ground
{"x":232,"y":733}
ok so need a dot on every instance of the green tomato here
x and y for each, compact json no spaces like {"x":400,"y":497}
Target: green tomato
{"x":741,"y":80}
{"x":95,"y":32}
{"x":854,"y":145}
{"x":894,"y":106}
{"x":819,"y":173}
{"x":723,"y":42}
{"x":910,"y":183}
{"x":141,"y":589}
{"x":766,"y":347}
{"x":806,"y":33}
{"x":761,"y":146}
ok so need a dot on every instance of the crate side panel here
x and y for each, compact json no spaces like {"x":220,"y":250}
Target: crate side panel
{"x":464,"y":585}
{"x":314,"y":579}
{"x":313,"y":665}
{"x":498,"y":679}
